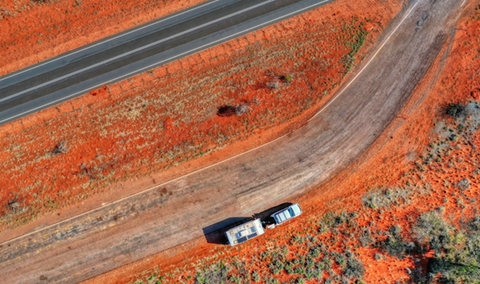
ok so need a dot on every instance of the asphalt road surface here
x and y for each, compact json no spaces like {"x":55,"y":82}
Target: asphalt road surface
{"x":135,"y":51}
{"x":149,"y":222}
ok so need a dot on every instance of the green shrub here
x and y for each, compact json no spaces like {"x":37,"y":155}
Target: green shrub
{"x":354,"y":269}
{"x":255,"y":277}
{"x":320,"y":265}
{"x":457,"y":254}
{"x":340,"y":259}
{"x":454,"y":109}
{"x":433,"y":230}
{"x":299,"y":270}
{"x":319,"y":274}
{"x":300,"y":280}
{"x":235,"y":279}
{"x":395,"y":246}
{"x":459,"y":264}
{"x":273,"y":281}
{"x":309,"y":273}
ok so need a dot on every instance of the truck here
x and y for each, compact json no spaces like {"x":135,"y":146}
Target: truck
{"x":256,"y":227}
{"x":286,"y":214}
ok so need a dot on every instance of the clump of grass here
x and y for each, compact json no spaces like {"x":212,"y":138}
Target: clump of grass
{"x":464,"y":184}
{"x":215,"y":273}
{"x":383,"y":197}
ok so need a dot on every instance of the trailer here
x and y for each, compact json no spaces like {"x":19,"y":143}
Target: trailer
{"x":244,"y":232}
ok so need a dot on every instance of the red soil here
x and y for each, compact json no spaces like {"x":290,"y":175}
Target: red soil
{"x":36,"y":30}
{"x":394,"y":160}
{"x":159,"y":119}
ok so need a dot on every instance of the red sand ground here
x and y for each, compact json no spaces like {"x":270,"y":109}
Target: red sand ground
{"x":36,"y":30}
{"x":396,"y":159}
{"x":159,"y":119}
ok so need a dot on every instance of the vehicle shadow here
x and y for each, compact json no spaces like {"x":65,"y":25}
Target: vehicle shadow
{"x":215,"y":233}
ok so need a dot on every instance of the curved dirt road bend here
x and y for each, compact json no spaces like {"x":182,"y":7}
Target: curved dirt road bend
{"x":147,"y":223}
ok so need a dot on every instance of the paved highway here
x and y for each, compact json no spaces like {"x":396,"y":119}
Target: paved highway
{"x":150,"y":221}
{"x":135,"y":51}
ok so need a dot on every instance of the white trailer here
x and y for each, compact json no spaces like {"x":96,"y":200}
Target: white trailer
{"x":244,"y":232}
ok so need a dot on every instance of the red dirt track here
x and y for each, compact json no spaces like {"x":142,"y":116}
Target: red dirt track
{"x":259,"y":179}
{"x":159,"y":119}
{"x":453,"y":78}
{"x":123,"y":135}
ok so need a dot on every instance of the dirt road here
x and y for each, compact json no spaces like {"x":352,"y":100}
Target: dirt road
{"x":136,"y":227}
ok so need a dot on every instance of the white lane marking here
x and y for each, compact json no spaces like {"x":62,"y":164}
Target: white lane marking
{"x":368,"y":63}
{"x":110,"y":39}
{"x":159,"y":63}
{"x":132,"y":51}
{"x":194,"y":172}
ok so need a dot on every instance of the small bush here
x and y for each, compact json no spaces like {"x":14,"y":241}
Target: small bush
{"x":319,"y":274}
{"x":384,"y":197}
{"x":345,"y":280}
{"x":395,"y":246}
{"x":241,"y":109}
{"x":354,"y":269}
{"x":300,"y":280}
{"x":432,"y":229}
{"x":285,"y":79}
{"x":454,"y":109}
{"x":464,"y":184}
{"x":299,"y":270}
{"x":417,"y":276}
{"x":366,"y":239}
{"x":396,"y":230}
{"x":60,"y":148}
{"x":213,"y":274}
{"x":289,"y":270}
{"x":309,"y":273}
{"x":255,"y":277}
{"x":475,"y":224}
